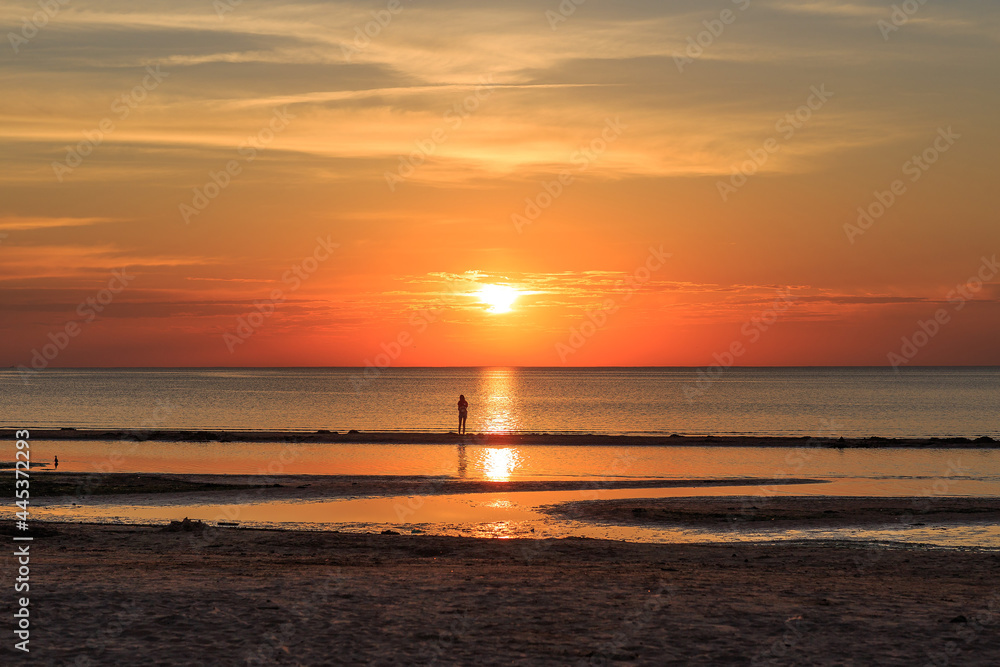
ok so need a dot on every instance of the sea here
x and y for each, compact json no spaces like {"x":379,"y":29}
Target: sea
{"x":829,"y":402}
{"x":848,"y":402}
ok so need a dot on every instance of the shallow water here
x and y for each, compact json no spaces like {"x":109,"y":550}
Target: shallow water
{"x":507,"y":515}
{"x":938,"y":470}
{"x":851,"y":472}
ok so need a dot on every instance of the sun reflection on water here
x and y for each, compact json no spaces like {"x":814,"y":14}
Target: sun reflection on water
{"x":498,"y":464}
{"x":499,"y":503}
{"x":499,"y":413}
{"x":501,"y":530}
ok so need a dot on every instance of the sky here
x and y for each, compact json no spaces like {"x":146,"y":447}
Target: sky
{"x":434,"y":183}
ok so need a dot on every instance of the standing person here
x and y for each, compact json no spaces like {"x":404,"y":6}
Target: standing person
{"x":463,"y":413}
{"x":57,"y":462}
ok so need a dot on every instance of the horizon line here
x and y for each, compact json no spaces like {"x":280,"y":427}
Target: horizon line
{"x":399,"y":367}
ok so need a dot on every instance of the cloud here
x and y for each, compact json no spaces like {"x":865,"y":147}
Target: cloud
{"x":31,"y":223}
{"x":357,"y":117}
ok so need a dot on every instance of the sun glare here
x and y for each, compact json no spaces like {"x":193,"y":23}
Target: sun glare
{"x":499,"y":464}
{"x":499,"y":298}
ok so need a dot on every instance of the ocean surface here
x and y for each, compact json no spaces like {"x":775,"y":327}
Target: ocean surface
{"x":852,"y":402}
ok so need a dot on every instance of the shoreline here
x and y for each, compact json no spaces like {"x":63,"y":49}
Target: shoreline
{"x":737,"y":510}
{"x":500,"y":439}
{"x":304,"y":486}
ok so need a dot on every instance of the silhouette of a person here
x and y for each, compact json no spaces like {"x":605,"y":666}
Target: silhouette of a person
{"x":57,"y":461}
{"x":463,"y":413}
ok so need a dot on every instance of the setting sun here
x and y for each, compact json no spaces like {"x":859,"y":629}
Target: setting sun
{"x":499,"y":298}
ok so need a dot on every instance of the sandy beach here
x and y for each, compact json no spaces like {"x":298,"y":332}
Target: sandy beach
{"x":137,"y":594}
{"x":140,"y":595}
{"x":236,"y":595}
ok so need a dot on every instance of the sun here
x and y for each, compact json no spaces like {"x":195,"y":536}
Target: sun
{"x":498,"y":297}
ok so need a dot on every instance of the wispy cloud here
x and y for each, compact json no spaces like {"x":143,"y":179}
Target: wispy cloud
{"x":30,"y":223}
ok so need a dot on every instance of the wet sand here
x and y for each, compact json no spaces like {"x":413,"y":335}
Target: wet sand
{"x":46,"y":483}
{"x":139,"y":595}
{"x":783,"y":512}
{"x":496,"y":439}
{"x":215,"y":595}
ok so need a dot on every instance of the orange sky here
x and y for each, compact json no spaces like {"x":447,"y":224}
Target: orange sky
{"x":418,"y":155}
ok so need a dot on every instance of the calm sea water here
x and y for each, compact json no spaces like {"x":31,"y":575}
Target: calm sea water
{"x":760,"y":401}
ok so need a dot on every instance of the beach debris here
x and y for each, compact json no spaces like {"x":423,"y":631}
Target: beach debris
{"x":354,"y":430}
{"x":959,"y":619}
{"x":187,"y":526}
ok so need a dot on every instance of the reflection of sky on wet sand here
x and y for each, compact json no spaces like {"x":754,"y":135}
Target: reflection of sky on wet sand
{"x":504,"y":515}
{"x":916,"y":470}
